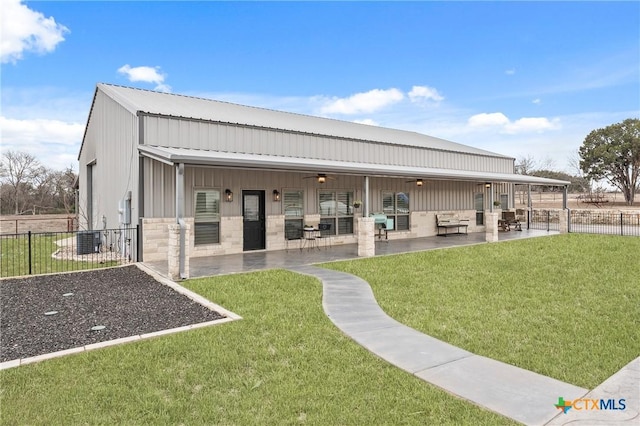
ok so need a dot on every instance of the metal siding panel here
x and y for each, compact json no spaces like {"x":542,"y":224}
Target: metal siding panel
{"x":115,"y":136}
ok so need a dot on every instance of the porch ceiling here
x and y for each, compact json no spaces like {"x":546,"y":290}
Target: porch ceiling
{"x":171,"y":155}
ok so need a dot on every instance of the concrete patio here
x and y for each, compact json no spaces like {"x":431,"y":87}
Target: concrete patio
{"x":259,"y":260}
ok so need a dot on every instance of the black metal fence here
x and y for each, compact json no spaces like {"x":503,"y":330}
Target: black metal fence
{"x":32,"y":253}
{"x":587,"y":221}
{"x":604,"y":222}
{"x":546,"y":220}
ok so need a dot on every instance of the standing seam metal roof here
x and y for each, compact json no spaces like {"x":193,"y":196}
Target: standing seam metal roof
{"x":147,"y":101}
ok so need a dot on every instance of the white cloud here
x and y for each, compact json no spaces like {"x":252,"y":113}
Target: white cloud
{"x":531,"y":125}
{"x":521,"y":125}
{"x":367,"y":102}
{"x":367,"y":121}
{"x":537,"y":101}
{"x":55,"y":143}
{"x":488,"y":120}
{"x":146,"y":75}
{"x":25,"y":30}
{"x":510,"y":71}
{"x":40,"y":130}
{"x":418,"y":93}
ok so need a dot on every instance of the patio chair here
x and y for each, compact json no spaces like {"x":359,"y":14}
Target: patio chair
{"x":325,"y":233}
{"x":292,"y":234}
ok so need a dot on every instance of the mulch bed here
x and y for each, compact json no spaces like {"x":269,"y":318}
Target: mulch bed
{"x":125,"y":300}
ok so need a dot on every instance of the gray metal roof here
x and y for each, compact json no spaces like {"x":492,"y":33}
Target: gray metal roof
{"x":272,"y":162}
{"x":139,"y":100}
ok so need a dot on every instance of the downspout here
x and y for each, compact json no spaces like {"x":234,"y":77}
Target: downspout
{"x":366,"y":197}
{"x":180,"y":215}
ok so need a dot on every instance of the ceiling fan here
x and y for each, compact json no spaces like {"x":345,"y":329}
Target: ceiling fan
{"x":418,"y":182}
{"x":321,"y":177}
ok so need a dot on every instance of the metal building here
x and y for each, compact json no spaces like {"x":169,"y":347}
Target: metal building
{"x":244,"y":178}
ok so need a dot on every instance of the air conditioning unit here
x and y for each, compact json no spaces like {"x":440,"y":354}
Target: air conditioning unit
{"x":88,"y":242}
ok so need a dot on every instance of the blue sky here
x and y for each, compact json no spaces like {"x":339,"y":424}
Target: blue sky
{"x":517,"y":78}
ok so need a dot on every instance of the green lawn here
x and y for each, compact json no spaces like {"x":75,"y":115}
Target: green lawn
{"x":14,"y":256}
{"x":566,"y":306}
{"x":284,"y":363}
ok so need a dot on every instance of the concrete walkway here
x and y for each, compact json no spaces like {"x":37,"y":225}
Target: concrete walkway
{"x":511,"y":391}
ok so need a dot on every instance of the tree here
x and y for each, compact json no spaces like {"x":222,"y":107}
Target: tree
{"x":17,"y":172}
{"x":613,"y":153}
{"x":27,"y":186}
{"x":65,"y":194}
{"x":525,"y":165}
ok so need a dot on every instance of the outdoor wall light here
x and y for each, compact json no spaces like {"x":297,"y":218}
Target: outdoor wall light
{"x":228,"y":195}
{"x":276,"y":195}
{"x":419,"y":182}
{"x":487,"y":185}
{"x":322,"y":178}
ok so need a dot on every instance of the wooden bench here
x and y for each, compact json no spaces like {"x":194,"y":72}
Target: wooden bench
{"x":446,"y":222}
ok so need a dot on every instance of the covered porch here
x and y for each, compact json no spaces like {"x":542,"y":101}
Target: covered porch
{"x":294,"y":256}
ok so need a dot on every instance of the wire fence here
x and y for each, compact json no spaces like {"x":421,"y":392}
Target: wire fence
{"x":33,"y":253}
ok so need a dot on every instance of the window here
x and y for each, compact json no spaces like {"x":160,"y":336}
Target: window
{"x":207,"y":217}
{"x":293,"y":214}
{"x":337,"y":208}
{"x":504,"y":201}
{"x":396,"y":206}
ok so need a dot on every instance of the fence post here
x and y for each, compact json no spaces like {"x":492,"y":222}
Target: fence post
{"x":138,"y":243}
{"x":621,"y":224}
{"x":29,"y":249}
{"x":548,"y":220}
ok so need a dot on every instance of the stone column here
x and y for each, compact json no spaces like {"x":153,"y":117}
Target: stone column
{"x":491,"y":227}
{"x":173,"y":251}
{"x":564,"y":221}
{"x":366,"y":237}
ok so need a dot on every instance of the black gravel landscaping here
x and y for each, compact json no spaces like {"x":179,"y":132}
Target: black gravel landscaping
{"x":125,"y":300}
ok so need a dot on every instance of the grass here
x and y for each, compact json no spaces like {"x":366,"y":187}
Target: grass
{"x":14,"y":252}
{"x":565,"y":306}
{"x":284,"y":363}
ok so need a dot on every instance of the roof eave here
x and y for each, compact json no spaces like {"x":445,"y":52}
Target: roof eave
{"x":307,"y":165}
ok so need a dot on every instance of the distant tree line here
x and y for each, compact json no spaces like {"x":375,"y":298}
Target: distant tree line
{"x":528,"y":166}
{"x":28,"y":187}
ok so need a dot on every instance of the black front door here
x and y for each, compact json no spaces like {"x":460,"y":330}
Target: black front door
{"x":254,"y":220}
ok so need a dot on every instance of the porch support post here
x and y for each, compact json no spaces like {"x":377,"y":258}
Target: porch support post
{"x":491,"y":227}
{"x":366,"y":237}
{"x":565,"y":214}
{"x":174,"y":254}
{"x":491,"y":197}
{"x":529,"y":203}
{"x":178,"y":234}
{"x":563,"y":221}
{"x":365,"y":210}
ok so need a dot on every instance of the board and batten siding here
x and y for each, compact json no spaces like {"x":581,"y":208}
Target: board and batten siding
{"x":111,"y":141}
{"x":198,"y":134}
{"x":160,"y":192}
